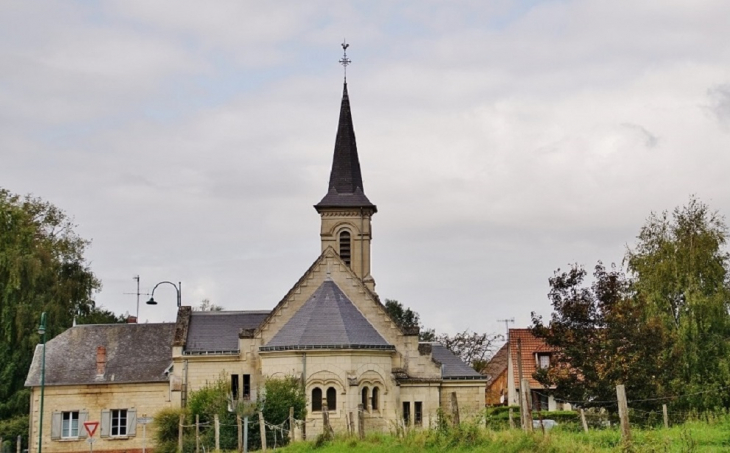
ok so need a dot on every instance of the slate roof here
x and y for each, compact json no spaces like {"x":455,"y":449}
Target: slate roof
{"x":497,"y":364}
{"x":217,"y":331}
{"x":345,"y":186}
{"x":327,"y":320}
{"x":531,"y":345}
{"x":134,"y":353}
{"x":453,"y":367}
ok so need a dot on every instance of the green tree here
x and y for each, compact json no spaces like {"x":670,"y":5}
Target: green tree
{"x":473,"y":348}
{"x":42,"y":268}
{"x":602,"y":336}
{"x":100,"y":315}
{"x":404,"y":317}
{"x":680,"y":267}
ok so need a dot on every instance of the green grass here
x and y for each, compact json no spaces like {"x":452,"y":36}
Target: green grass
{"x":694,"y":436}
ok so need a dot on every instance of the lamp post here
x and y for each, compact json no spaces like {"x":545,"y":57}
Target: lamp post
{"x":42,"y":333}
{"x":178,"y":289}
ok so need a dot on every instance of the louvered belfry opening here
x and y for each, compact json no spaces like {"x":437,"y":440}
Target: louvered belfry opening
{"x":345,"y":247}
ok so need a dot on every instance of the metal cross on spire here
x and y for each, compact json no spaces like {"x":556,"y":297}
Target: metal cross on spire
{"x":345,"y":61}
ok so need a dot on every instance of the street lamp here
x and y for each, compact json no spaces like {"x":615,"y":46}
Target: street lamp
{"x":178,"y":289}
{"x":42,"y":333}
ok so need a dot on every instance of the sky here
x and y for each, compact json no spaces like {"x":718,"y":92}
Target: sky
{"x":500,"y":140}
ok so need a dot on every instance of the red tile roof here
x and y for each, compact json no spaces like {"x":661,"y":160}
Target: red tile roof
{"x":530,"y":347}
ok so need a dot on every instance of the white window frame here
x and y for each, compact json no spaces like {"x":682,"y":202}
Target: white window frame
{"x":543,"y":356}
{"x":117,"y":416}
{"x":67,"y":427}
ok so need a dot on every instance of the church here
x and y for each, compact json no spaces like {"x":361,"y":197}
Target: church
{"x":330,"y":330}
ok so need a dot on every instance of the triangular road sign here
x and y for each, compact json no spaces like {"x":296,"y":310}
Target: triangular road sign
{"x":90,"y":427}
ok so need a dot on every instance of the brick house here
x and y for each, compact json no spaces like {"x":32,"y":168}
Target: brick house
{"x":535,"y":355}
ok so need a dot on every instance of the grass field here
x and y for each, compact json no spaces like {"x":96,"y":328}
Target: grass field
{"x":693,"y":436}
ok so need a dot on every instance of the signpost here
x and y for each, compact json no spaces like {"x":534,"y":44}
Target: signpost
{"x":144,"y":421}
{"x":91,"y":428}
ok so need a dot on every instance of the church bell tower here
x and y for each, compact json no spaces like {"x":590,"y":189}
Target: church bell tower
{"x":345,"y":210}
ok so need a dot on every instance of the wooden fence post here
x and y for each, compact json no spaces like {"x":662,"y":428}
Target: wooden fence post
{"x":291,"y":424}
{"x":526,"y":404}
{"x":197,"y":433}
{"x":180,"y":433}
{"x":519,"y":378}
{"x":262,"y":428}
{"x":666,"y":416}
{"x":583,"y":419}
{"x":245,"y":434}
{"x":326,"y":428}
{"x":455,"y":409}
{"x":623,"y":413}
{"x":240,"y":433}
{"x":511,"y":419}
{"x":217,"y":427}
{"x":19,"y":445}
{"x":360,"y":422}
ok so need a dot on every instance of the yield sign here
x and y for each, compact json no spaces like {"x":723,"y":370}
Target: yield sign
{"x":90,"y":427}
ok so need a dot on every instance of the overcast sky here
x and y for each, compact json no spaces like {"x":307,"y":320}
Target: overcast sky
{"x":500,"y":140}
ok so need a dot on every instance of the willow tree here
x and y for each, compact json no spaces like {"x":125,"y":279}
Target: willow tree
{"x":42,"y":268}
{"x":681,"y":268}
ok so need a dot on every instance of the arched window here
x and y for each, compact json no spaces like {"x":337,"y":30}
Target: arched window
{"x":345,"y":246}
{"x":375,"y":398}
{"x":331,"y":399}
{"x":316,"y":399}
{"x":364,"y":399}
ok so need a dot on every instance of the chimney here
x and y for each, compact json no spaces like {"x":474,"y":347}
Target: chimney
{"x":100,"y":360}
{"x":131,"y":319}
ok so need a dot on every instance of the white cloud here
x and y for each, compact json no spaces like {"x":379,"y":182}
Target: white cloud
{"x":500,"y":140}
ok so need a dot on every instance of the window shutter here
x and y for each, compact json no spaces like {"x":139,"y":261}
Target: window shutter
{"x":131,"y":422}
{"x":106,"y":422}
{"x":83,"y":417}
{"x":55,"y":425}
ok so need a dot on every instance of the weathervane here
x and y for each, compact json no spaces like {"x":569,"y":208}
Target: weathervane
{"x":345,"y":61}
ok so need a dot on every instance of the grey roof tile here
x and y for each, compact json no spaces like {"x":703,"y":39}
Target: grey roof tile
{"x":345,"y":186}
{"x":217,"y":331}
{"x":134,"y":353}
{"x":453,"y":366}
{"x":328,"y":319}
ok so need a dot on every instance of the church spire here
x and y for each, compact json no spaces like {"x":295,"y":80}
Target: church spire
{"x":346,"y":212}
{"x":345,"y":185}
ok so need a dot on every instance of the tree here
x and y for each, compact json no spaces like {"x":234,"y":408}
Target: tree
{"x":473,"y":348}
{"x":207,"y":305}
{"x":404,"y":317}
{"x":602,"y":337}
{"x":681,"y":269}
{"x":42,"y":268}
{"x":408,"y":319}
{"x":100,"y":315}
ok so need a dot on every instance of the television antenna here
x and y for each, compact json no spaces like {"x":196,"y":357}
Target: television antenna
{"x":136,"y":277}
{"x":506,"y":326}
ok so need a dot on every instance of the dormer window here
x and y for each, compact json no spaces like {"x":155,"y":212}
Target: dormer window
{"x":543,"y":360}
{"x":345,"y":247}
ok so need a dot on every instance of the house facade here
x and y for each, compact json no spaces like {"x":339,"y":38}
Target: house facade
{"x":330,"y":331}
{"x":113,"y":374}
{"x":504,"y":381}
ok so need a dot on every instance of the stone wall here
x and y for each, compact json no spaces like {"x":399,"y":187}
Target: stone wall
{"x":146,"y":399}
